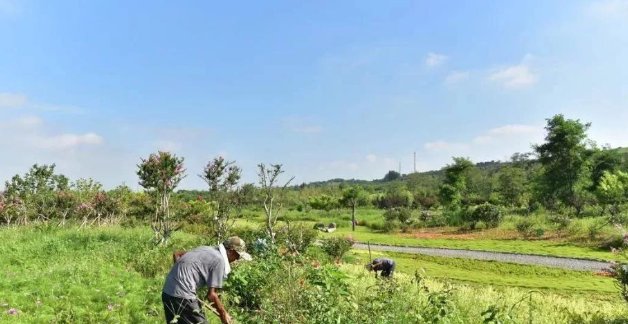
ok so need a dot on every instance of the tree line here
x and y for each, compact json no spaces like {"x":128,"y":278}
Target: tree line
{"x":567,"y":174}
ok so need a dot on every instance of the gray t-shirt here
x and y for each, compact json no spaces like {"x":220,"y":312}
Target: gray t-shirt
{"x":203,"y":266}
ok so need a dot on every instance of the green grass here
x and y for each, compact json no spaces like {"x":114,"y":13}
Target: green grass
{"x":561,"y":248}
{"x":115,"y":275}
{"x":499,"y":274}
{"x":522,"y":303}
{"x":104,"y":275}
{"x":540,"y":247}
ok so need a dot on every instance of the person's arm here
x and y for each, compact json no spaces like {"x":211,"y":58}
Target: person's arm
{"x":177,"y":255}
{"x":214,"y":300}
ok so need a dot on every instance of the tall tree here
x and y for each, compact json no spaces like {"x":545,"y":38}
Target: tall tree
{"x":353,"y":197}
{"x":512,"y":185}
{"x":565,"y":163}
{"x":454,"y":187}
{"x":159,"y":175}
{"x":222,"y":177}
{"x":271,"y":192}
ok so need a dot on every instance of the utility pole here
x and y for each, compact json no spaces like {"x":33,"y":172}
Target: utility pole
{"x":414,"y":162}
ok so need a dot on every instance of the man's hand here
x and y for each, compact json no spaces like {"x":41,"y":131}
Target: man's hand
{"x":214,"y":300}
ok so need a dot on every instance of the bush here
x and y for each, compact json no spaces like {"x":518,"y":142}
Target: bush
{"x":391,"y":225}
{"x":297,"y":238}
{"x":525,"y":227}
{"x":336,"y":247}
{"x":246,"y":285}
{"x":400,"y":214}
{"x":491,"y":215}
{"x":561,"y":221}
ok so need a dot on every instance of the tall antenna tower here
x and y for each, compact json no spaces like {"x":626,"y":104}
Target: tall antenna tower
{"x":414,"y":162}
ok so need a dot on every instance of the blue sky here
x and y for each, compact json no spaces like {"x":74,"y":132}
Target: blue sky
{"x":330,"y":89}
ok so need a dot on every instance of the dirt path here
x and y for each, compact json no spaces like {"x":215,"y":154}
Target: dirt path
{"x":548,"y":261}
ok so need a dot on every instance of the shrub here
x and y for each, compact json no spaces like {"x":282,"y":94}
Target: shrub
{"x":491,"y":215}
{"x":391,"y":225}
{"x":595,"y":228}
{"x":297,"y":238}
{"x":525,"y":227}
{"x":561,"y":221}
{"x":621,"y":276}
{"x":336,"y":247}
{"x":246,"y":285}
{"x":400,"y":214}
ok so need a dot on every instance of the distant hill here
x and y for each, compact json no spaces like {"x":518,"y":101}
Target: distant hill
{"x":487,"y":166}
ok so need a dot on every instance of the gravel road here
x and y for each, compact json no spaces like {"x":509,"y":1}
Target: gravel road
{"x":557,"y":262}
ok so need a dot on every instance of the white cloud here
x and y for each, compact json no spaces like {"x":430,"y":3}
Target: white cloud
{"x":29,"y":132}
{"x":29,"y":121}
{"x":514,"y":77}
{"x":371,"y":158}
{"x":609,"y":9}
{"x":434,"y":59}
{"x":456,"y":76}
{"x":68,"y":141}
{"x":12,"y":100}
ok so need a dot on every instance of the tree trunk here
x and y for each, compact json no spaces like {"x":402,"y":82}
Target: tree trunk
{"x":353,"y":217}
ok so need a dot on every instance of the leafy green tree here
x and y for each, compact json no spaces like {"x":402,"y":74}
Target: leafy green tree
{"x":86,"y":189}
{"x":613,"y":190}
{"x":222,"y":177}
{"x":392,"y":176}
{"x":323,"y":202}
{"x":564,"y":157}
{"x":159,"y":175}
{"x":512,"y":186}
{"x":353,"y":197}
{"x":603,"y":160}
{"x":36,"y":190}
{"x":394,"y":197}
{"x":454,"y":187}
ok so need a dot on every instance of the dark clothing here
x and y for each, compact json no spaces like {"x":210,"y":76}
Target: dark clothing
{"x":186,"y":311}
{"x":387,"y":266}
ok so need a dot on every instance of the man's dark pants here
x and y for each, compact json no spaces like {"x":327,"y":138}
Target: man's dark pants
{"x":186,"y":311}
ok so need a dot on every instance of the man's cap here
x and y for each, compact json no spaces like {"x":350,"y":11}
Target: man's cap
{"x":237,"y":244}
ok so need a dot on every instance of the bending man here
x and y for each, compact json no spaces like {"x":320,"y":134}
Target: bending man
{"x":385,"y":265}
{"x":204,"y":266}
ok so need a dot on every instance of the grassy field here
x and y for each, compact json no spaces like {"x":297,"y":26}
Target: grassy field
{"x":115,"y":275}
{"x":434,"y":238}
{"x":540,"y":247}
{"x":500,"y":274}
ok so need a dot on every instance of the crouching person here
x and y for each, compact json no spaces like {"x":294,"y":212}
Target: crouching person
{"x":385,"y":265}
{"x":204,"y":266}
